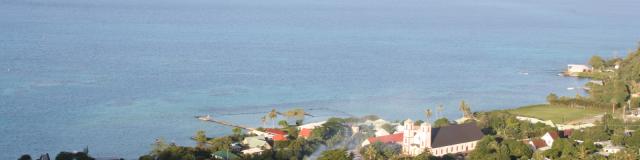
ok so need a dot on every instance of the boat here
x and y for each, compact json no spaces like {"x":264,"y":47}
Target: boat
{"x":205,"y":118}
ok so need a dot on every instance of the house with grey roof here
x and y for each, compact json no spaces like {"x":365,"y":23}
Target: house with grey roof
{"x":460,"y":138}
{"x":256,"y":142}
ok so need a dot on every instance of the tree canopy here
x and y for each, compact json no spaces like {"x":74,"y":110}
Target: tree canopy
{"x":335,"y":154}
{"x":441,"y":122}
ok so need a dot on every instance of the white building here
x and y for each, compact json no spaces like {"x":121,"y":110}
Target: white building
{"x":549,"y":137}
{"x":440,"y":141}
{"x":577,"y":68}
{"x":312,"y":125}
{"x":608,"y":148}
{"x":612,"y":149}
{"x":538,"y":144}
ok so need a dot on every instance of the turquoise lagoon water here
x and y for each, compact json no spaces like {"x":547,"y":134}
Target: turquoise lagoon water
{"x":116,"y":74}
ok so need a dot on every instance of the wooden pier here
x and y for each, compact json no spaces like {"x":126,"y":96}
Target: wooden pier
{"x":220,"y":122}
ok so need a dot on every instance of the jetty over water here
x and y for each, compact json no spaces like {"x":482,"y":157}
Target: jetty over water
{"x":208,"y":118}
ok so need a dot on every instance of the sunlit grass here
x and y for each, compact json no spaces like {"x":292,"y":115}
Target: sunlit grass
{"x":557,"y":114}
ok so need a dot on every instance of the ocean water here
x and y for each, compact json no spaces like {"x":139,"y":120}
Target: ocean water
{"x":114,"y":75}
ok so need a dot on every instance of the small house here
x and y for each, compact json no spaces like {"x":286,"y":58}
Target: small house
{"x":305,"y":133}
{"x":256,"y":142}
{"x":549,"y":137}
{"x":538,"y":144}
{"x":271,"y":133}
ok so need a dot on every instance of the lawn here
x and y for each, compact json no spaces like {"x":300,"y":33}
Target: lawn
{"x":557,"y":114}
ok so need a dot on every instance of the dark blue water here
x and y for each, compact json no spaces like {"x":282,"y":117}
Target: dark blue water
{"x":116,"y":74}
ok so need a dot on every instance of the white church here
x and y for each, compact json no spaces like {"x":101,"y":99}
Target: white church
{"x":440,"y":141}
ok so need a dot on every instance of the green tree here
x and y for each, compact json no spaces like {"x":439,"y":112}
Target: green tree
{"x":485,"y":148}
{"x":370,"y":152}
{"x":552,"y":98}
{"x":624,"y":155}
{"x":335,"y":154}
{"x":618,"y":137}
{"x":273,"y":115}
{"x":585,"y":149}
{"x":633,"y":141}
{"x":188,"y":157}
{"x":263,"y":119}
{"x":518,"y":149}
{"x":538,"y":156}
{"x":283,"y":123}
{"x":439,"y":111}
{"x":158,"y":146}
{"x":596,"y":62}
{"x":441,"y":122}
{"x":425,"y":155}
{"x":200,"y":138}
{"x":296,"y":113}
{"x":236,"y":131}
{"x":389,"y":128}
{"x":619,"y":94}
{"x":503,"y":153}
{"x":428,"y":114}
{"x":220,"y":144}
{"x":146,"y":157}
{"x":465,"y":109}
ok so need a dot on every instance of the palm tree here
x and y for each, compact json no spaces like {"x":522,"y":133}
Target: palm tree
{"x":297,"y":113}
{"x":462,"y":108}
{"x":201,"y":138}
{"x":263,"y":119}
{"x":583,"y":153}
{"x":428,"y":114}
{"x":236,"y":131}
{"x":273,"y":115}
{"x":465,"y":109}
{"x":370,"y":152}
{"x":283,"y":123}
{"x":439,"y":111}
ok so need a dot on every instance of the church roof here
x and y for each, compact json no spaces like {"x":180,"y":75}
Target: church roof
{"x":455,"y":134}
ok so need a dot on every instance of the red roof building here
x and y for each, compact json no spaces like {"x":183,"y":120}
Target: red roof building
{"x":566,"y":133}
{"x":538,"y":143}
{"x":393,"y":138}
{"x":275,"y":131}
{"x":305,"y":133}
{"x":279,"y":137}
{"x":554,"y":135}
{"x":276,"y":134}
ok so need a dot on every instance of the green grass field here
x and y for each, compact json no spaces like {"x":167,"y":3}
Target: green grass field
{"x":557,"y":114}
